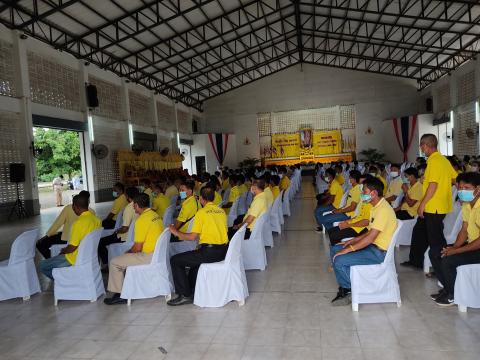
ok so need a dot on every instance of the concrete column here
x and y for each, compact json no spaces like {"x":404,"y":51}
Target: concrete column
{"x":153,"y":104}
{"x":126,"y":110}
{"x":176,"y":143}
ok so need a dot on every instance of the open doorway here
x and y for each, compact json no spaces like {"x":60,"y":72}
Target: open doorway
{"x":58,"y":161}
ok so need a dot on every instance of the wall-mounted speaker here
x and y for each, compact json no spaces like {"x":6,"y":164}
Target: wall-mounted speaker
{"x":92,"y":98}
{"x":17,"y":172}
{"x":429,"y":105}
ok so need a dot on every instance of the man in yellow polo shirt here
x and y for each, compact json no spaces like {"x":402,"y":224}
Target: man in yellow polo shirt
{"x":394,"y":188}
{"x":466,"y":249}
{"x":148,"y":228}
{"x":435,"y":204}
{"x":330,"y":200}
{"x":119,"y":203}
{"x":233,"y":194}
{"x":412,"y":189}
{"x":369,"y":248}
{"x":160,"y":201}
{"x":257,"y":208}
{"x":284,"y":180}
{"x":84,"y":225}
{"x":189,"y":208}
{"x":274,"y":186}
{"x":210,"y":229}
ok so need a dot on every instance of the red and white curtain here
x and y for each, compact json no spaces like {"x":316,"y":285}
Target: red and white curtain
{"x":404,"y":131}
{"x":219,"y":143}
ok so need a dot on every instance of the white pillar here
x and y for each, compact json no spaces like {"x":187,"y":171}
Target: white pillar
{"x":153,"y":104}
{"x":177,"y":133}
{"x":30,"y":186}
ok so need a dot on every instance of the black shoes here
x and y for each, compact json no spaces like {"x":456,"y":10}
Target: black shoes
{"x":319,"y":229}
{"x":435,"y":296}
{"x":114,"y":300}
{"x":445,"y":300}
{"x":344,"y":297}
{"x":410,"y":264}
{"x":180,"y":300}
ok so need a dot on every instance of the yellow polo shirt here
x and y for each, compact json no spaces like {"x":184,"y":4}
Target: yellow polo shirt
{"x":243,"y":188}
{"x":363,"y":215}
{"x":85,"y":224}
{"x":440,"y":171}
{"x":340,"y":179}
{"x":218,"y":199}
{"x":171,"y":191}
{"x":148,"y":228}
{"x":190,"y":206}
{"x":129,"y":215}
{"x":472,"y":218}
{"x":211,"y":223}
{"x":225,"y":184}
{"x":160,"y":203}
{"x":256,"y":209}
{"x":275,"y":191}
{"x":336,"y":190}
{"x":394,"y":188}
{"x":384,"y":182}
{"x":118,"y":205}
{"x":383,"y":219}
{"x":353,"y":196}
{"x":268,"y":195}
{"x":149,"y":192}
{"x":415,"y":193}
{"x":284,"y":183}
{"x":66,"y":218}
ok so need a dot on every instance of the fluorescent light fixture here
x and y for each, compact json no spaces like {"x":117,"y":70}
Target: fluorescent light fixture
{"x":130,"y":133}
{"x":90,"y":129}
{"x":178,"y":139}
{"x":477,"y":111}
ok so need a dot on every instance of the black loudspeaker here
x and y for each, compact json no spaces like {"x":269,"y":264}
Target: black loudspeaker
{"x":92,"y":98}
{"x":194,"y":126}
{"x":429,"y":105}
{"x":17,"y":173}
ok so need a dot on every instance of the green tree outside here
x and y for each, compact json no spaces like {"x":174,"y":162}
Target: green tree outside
{"x":58,"y":153}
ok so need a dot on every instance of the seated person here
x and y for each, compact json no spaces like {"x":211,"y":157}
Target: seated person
{"x":257,"y":208}
{"x":413,"y":195}
{"x":348,"y":210}
{"x":274,"y":186}
{"x":189,"y":208}
{"x":84,"y":225}
{"x":233,"y":195}
{"x":381,"y":176}
{"x":394,"y":188}
{"x":147,"y":187}
{"x":369,"y":248}
{"x":339,"y":174}
{"x":118,"y":205}
{"x":173,"y":188}
{"x":64,"y":220}
{"x":214,"y":183}
{"x":160,"y":201}
{"x":284,"y":180}
{"x":121,"y":234}
{"x":241,"y":184}
{"x":466,"y":249}
{"x":225,"y":181}
{"x":268,"y":191}
{"x":329,"y":200}
{"x":148,"y":228}
{"x":210,"y":229}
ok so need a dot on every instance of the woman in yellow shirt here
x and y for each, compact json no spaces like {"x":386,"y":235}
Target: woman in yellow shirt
{"x":412,"y":190}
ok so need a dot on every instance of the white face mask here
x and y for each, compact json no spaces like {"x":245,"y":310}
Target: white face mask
{"x":474,"y":168}
{"x":394,"y":174}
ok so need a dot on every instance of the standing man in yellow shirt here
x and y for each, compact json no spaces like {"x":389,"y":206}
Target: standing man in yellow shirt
{"x":330,"y":200}
{"x":84,"y":225}
{"x":369,"y":248}
{"x":412,"y":197}
{"x":120,"y":235}
{"x":64,"y":221}
{"x":119,"y":203}
{"x":435,"y":204}
{"x":148,"y":228}
{"x":210,"y":229}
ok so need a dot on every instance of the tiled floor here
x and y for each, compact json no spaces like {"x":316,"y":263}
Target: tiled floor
{"x":287,"y":316}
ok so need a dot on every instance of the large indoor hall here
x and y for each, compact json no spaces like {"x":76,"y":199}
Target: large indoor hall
{"x":240,"y":179}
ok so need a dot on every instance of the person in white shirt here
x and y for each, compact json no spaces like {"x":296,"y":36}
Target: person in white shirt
{"x":57,"y":189}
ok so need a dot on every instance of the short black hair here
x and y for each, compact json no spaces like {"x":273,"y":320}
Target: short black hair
{"x":119,"y":186}
{"x":430,"y":140}
{"x":131,"y":192}
{"x":372,"y":168}
{"x":275,"y":179}
{"x":472,"y":178}
{"x":142,"y":200}
{"x":411,"y":171}
{"x":240,"y":178}
{"x":260,"y":183}
{"x":84,"y":193}
{"x":331,"y":172}
{"x":355,"y":174}
{"x":189,"y":184}
{"x":80,"y":201}
{"x":208,"y":193}
{"x":395,"y":165}
{"x":374,"y":184}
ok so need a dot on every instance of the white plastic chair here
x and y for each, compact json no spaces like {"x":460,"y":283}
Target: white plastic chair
{"x":233,"y":214}
{"x":18,"y":276}
{"x":150,"y":280}
{"x":467,"y":287}
{"x":118,"y":225}
{"x":253,"y":249}
{"x":183,"y":246}
{"x":405,"y":235}
{"x":267,"y":229}
{"x":376,"y":283}
{"x":82,"y":281}
{"x":286,"y":202}
{"x":168,"y":215}
{"x":275,"y":215}
{"x":121,"y":248}
{"x":221,"y":282}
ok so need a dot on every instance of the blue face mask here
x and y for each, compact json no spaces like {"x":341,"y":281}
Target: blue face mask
{"x":466,"y":195}
{"x":115,"y":194}
{"x":405,"y":180}
{"x":183,"y":194}
{"x":366,"y":198}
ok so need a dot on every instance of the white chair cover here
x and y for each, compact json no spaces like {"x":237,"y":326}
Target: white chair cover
{"x":55,"y":249}
{"x":82,"y":281}
{"x":267,"y":229}
{"x":343,"y":202}
{"x":225,"y":197}
{"x":118,"y":225}
{"x":253,"y":249}
{"x":173,"y":200}
{"x":18,"y":276}
{"x":405,"y":235}
{"x":280,"y":208}
{"x":467,"y":287}
{"x":221,"y":282}
{"x":398,"y":200}
{"x":376,"y":283}
{"x":248,"y":200}
{"x":168,"y":215}
{"x":121,"y":248}
{"x":242,"y":204}
{"x":233,"y":214}
{"x":275,"y":215}
{"x":286,"y":202}
{"x":183,"y":246}
{"x":150,"y":280}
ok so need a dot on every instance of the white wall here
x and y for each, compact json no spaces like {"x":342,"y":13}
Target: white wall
{"x":376,"y":97}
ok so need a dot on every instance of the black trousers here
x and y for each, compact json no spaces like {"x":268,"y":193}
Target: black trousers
{"x":108,"y":223}
{"x":185,"y":284}
{"x":448,"y":270}
{"x":336,"y":234}
{"x":403,"y":215}
{"x":43,"y":245}
{"x":102,"y":246}
{"x":428,"y":231}
{"x":231,"y":230}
